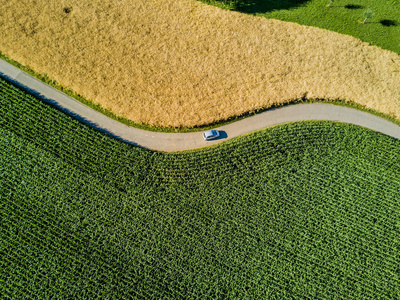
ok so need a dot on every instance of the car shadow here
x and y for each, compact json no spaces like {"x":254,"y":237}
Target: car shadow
{"x":222,"y":135}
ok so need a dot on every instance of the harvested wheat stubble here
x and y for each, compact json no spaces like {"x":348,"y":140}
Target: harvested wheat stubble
{"x":182,"y":63}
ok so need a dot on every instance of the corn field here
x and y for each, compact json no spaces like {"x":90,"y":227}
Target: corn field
{"x":302,"y":210}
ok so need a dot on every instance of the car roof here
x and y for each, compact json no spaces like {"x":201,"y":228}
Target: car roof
{"x":209,"y":133}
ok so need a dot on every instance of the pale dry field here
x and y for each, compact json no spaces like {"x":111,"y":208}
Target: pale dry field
{"x":182,"y":63}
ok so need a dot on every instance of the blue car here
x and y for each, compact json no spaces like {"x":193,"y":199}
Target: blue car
{"x":210,"y":135}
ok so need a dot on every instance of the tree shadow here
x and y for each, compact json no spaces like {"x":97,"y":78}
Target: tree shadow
{"x":354,"y":6}
{"x":262,"y":6}
{"x":388,"y":23}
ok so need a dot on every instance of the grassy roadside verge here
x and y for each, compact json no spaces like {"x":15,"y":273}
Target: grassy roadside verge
{"x":125,"y":121}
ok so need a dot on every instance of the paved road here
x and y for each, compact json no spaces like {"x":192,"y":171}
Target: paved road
{"x":183,"y":141}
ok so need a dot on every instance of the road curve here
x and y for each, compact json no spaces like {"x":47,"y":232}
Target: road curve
{"x":184,"y":141}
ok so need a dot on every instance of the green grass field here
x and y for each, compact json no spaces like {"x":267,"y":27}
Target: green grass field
{"x":304,"y":210}
{"x":343,"y":16}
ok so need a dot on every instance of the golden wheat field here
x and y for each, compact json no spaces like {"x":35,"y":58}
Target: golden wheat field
{"x":181,"y":63}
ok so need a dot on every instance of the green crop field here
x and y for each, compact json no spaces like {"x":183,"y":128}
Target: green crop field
{"x":304,"y":210}
{"x":343,"y":16}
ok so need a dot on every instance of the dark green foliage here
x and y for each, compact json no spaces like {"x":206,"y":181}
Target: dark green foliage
{"x":305,"y":210}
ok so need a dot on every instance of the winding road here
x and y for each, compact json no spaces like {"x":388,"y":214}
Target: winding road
{"x":184,"y":141}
